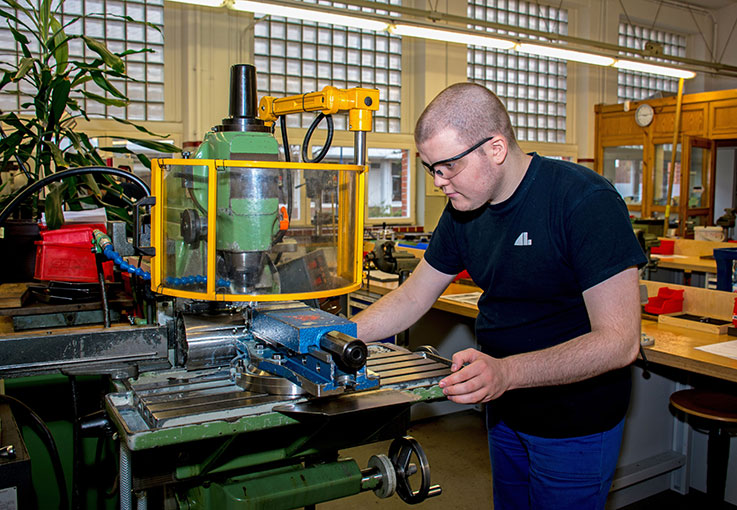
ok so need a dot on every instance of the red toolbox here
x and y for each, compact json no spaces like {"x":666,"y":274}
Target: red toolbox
{"x":65,"y":255}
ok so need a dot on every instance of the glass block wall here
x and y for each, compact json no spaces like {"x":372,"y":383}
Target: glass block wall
{"x":295,"y":57}
{"x":636,"y":86}
{"x":121,"y":25}
{"x":532,"y":88}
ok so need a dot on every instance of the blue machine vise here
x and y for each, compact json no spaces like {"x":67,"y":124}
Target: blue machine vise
{"x":314,"y":349}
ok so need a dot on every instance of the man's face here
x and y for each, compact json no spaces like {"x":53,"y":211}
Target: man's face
{"x":469,"y":181}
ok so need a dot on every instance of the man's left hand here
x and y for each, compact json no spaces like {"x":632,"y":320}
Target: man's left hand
{"x":477,"y":378}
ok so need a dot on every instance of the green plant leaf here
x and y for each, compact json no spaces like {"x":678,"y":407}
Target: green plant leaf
{"x":128,"y":18}
{"x":139,"y":128}
{"x":44,"y":16}
{"x":105,"y":100}
{"x":53,"y":209}
{"x":60,"y":47}
{"x":57,"y":154}
{"x":91,"y":183}
{"x":25,"y":65}
{"x":59,"y":98}
{"x":18,"y":36}
{"x":80,"y":79}
{"x":6,"y":79}
{"x":104,"y":84}
{"x":144,"y":160}
{"x":111,"y":60}
{"x":135,"y":52}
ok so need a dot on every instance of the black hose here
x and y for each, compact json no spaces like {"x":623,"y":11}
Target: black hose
{"x":288,"y":181}
{"x":326,"y":147}
{"x":83,"y":170}
{"x":44,"y":433}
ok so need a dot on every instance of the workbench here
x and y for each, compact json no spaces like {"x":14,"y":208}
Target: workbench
{"x":689,"y":256}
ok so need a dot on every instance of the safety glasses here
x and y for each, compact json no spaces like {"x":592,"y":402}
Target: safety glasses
{"x":447,"y":168}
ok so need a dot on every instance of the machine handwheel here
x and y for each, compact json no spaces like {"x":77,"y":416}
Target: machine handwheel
{"x":400,"y":453}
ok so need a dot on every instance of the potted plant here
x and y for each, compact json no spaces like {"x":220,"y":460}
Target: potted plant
{"x":48,"y":140}
{"x":45,"y":142}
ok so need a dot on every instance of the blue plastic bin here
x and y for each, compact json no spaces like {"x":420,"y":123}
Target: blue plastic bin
{"x":725,"y":258}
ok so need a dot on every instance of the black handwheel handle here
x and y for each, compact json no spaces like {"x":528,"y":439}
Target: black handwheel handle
{"x":400,"y":454}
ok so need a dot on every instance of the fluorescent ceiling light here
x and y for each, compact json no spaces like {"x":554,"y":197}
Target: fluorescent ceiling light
{"x":653,"y":69}
{"x":204,"y":3}
{"x":450,"y":36}
{"x":308,"y":15}
{"x":564,"y":54}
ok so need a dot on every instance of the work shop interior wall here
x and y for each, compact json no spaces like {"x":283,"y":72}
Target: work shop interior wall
{"x":202,"y":43}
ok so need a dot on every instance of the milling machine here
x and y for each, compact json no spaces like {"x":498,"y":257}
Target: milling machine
{"x":238,"y":393}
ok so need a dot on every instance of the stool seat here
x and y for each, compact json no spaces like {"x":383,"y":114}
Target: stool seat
{"x":720,"y":411}
{"x":712,"y":405}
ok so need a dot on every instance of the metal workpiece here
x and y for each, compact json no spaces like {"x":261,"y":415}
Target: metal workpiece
{"x":121,"y":351}
{"x":209,"y":341}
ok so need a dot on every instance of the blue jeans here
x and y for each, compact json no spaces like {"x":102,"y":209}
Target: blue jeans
{"x":535,"y":473}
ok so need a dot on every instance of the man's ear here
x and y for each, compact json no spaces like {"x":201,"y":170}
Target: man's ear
{"x":499,"y":149}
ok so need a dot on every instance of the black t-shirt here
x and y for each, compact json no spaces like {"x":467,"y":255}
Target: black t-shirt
{"x":564,"y":230}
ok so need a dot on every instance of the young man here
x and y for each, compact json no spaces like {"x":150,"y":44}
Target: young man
{"x":551,"y":246}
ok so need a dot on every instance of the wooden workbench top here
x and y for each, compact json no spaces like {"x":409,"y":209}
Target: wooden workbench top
{"x":676,"y":347}
{"x":688,"y":255}
{"x":443,"y":303}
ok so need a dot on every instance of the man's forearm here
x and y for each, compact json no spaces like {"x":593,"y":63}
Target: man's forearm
{"x":391,"y":314}
{"x":402,"y":307}
{"x":580,"y":358}
{"x":614,"y":311}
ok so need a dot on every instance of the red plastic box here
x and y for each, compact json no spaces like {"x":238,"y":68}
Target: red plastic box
{"x":65,"y":255}
{"x":667,"y":301}
{"x":666,"y":247}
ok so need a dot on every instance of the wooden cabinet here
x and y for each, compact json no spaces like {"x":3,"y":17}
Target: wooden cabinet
{"x":637,"y":159}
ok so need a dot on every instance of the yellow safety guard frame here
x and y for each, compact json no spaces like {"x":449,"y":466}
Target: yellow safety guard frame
{"x":352,"y":265}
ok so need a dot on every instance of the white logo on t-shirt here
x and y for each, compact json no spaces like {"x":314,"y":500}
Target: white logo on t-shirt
{"x":523,"y":240}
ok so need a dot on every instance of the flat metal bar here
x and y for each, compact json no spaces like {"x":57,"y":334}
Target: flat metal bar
{"x":418,"y":363}
{"x":413,"y":377}
{"x":349,"y":403}
{"x":208,"y":393}
{"x":412,"y":370}
{"x":199,"y":401}
{"x":184,"y":387}
{"x":198,"y":412}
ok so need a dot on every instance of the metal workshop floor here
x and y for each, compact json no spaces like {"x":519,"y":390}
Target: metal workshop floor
{"x":457,"y":450}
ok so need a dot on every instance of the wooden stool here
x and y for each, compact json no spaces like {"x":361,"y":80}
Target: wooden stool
{"x":720,"y":412}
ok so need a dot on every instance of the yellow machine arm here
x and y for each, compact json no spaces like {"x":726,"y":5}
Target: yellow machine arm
{"x":358,"y":102}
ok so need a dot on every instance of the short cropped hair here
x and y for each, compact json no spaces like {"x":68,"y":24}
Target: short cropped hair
{"x":471,"y":110}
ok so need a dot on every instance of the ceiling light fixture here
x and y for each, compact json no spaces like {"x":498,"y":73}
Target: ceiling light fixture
{"x":643,"y":67}
{"x":450,"y":36}
{"x":565,"y":54}
{"x":204,"y":3}
{"x":308,"y":15}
